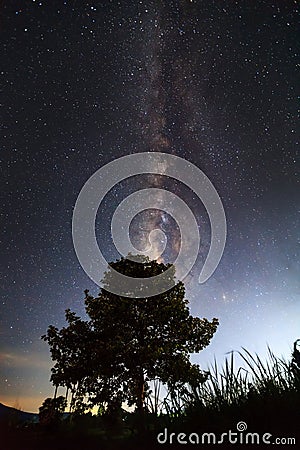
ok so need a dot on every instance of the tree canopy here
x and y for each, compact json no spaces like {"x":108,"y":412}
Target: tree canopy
{"x":127,"y":342}
{"x":51,"y":411}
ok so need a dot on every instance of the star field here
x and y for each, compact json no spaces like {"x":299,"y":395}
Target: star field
{"x":88,"y":82}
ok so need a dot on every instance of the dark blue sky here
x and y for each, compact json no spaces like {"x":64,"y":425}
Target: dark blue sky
{"x":87,"y":82}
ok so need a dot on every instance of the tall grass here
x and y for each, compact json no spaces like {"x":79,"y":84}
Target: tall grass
{"x":256,"y":387}
{"x":229,"y":387}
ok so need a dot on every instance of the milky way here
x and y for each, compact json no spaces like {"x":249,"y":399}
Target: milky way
{"x":88,"y":82}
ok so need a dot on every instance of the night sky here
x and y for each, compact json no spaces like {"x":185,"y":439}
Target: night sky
{"x":87,"y":82}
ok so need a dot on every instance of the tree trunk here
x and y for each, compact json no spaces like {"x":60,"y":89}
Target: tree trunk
{"x":71,"y":402}
{"x":55,"y":391}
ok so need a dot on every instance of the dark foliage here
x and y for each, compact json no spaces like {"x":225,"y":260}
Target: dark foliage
{"x":127,"y":342}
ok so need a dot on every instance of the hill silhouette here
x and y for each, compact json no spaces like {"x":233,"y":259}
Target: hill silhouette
{"x":8,"y":413}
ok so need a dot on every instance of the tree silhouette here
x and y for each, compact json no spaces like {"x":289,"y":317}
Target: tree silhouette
{"x":127,"y":342}
{"x":51,"y":411}
{"x":295,"y":364}
{"x":70,"y":348}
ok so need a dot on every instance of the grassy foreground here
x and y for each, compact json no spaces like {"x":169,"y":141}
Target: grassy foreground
{"x":260,"y":398}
